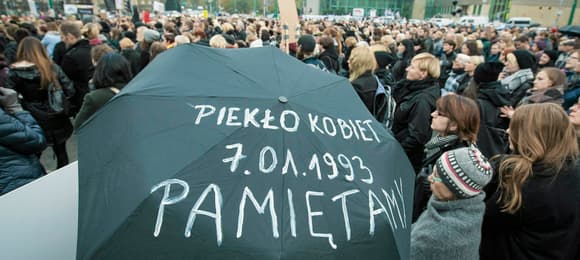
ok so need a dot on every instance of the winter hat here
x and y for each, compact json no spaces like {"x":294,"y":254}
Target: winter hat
{"x":464,"y":171}
{"x":307,"y":43}
{"x":384,"y":59}
{"x":151,"y":35}
{"x":526,"y":60}
{"x":552,"y":54}
{"x":487,"y":72}
{"x":229,"y":39}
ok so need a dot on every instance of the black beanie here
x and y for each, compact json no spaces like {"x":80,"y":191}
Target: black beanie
{"x":526,"y":60}
{"x":487,"y":72}
{"x":552,"y":54}
{"x":384,"y":59}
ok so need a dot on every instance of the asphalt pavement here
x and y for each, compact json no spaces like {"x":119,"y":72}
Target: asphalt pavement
{"x":49,"y":160}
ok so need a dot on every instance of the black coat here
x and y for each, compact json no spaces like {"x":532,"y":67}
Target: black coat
{"x":26,"y":81}
{"x":330,"y":59}
{"x":78,"y":66}
{"x":547,"y":225}
{"x":134,"y":58}
{"x":366,"y":86}
{"x":58,"y":53}
{"x":412,"y":119}
{"x":492,"y":139}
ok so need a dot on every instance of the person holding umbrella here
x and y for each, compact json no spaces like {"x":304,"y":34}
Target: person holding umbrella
{"x":21,"y":140}
{"x":533,"y":206}
{"x":455,"y":211}
{"x":416,"y":97}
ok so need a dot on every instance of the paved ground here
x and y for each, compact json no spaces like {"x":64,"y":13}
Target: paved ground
{"x":49,"y":160}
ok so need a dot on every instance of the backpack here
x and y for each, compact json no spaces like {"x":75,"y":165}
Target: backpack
{"x":384,"y":104}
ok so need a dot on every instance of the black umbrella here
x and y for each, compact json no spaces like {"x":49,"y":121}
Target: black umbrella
{"x":572,"y":30}
{"x":240,"y":154}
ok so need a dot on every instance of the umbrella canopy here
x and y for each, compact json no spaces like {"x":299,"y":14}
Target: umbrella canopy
{"x":571,"y":30}
{"x":245,"y":154}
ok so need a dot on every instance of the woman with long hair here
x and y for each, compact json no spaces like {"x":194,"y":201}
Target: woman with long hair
{"x":362,"y":63}
{"x":534,"y":213}
{"x":31,"y":75}
{"x":405,"y":53}
{"x":548,"y":87}
{"x":455,"y":123}
{"x":112,"y":73}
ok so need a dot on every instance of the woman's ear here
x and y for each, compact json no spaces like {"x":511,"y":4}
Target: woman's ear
{"x":452,"y":126}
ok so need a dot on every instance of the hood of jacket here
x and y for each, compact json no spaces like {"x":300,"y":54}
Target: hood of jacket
{"x":28,"y":71}
{"x":495,"y":93}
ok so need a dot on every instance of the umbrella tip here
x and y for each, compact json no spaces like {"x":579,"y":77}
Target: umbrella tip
{"x":283,"y":99}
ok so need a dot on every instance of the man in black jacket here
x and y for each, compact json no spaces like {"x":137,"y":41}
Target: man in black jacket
{"x":76,"y":62}
{"x":416,"y":96}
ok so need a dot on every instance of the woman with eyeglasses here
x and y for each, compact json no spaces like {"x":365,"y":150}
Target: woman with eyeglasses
{"x":533,"y":206}
{"x":455,"y":123}
{"x":450,"y":228}
{"x":572,"y":68}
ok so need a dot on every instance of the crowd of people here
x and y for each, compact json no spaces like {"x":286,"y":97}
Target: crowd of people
{"x":489,"y":119}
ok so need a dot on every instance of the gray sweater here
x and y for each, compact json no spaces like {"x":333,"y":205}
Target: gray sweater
{"x":449,"y":229}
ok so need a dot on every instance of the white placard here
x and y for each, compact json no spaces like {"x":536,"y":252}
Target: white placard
{"x":39,"y":220}
{"x":358,"y":12}
{"x":70,"y":9}
{"x":158,"y":7}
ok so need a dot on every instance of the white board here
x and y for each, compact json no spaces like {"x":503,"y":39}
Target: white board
{"x":39,"y":220}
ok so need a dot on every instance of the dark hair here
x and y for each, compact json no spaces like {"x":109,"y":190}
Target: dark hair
{"x":450,"y":42}
{"x":70,"y":28}
{"x":472,"y":47}
{"x":265,"y":35}
{"x":327,"y":42}
{"x":522,"y":38}
{"x":409,"y":52}
{"x":112,"y":70}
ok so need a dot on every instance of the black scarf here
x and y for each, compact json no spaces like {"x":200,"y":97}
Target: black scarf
{"x":436,"y":145}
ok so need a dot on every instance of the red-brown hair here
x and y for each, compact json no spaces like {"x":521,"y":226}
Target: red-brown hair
{"x":462,"y":111}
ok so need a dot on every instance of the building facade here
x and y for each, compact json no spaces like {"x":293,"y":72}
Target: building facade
{"x":547,"y":13}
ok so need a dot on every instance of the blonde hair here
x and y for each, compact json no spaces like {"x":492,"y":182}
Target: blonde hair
{"x":511,"y":58}
{"x":126,"y":43}
{"x":388,"y":41}
{"x":350,"y":41}
{"x":218,"y":41}
{"x":459,"y":39}
{"x":476,"y":60}
{"x":226,"y":27}
{"x":361,"y":61}
{"x":181,"y":39}
{"x":428,"y":62}
{"x":540,"y":133}
{"x":91,"y":30}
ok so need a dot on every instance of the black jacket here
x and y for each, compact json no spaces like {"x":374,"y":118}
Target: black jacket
{"x":547,"y":224}
{"x":26,"y":81}
{"x":134,"y":58}
{"x":492,"y":139}
{"x":366,"y":86}
{"x":78,"y":66}
{"x":412,"y":119}
{"x":330,"y":59}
